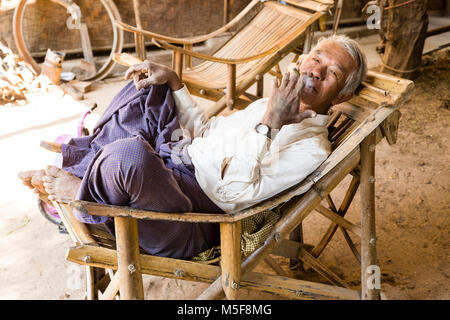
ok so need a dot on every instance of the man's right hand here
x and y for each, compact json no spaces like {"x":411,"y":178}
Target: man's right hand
{"x":150,"y":73}
{"x":284,"y":103}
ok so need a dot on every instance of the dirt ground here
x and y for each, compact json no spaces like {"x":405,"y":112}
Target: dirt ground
{"x":412,"y":202}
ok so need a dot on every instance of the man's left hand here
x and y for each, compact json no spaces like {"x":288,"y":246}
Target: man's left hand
{"x":150,"y":73}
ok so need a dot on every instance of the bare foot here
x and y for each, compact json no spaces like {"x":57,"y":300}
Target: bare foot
{"x":33,"y":180}
{"x":60,"y":185}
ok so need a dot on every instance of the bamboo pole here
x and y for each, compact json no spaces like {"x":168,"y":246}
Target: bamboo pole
{"x":230,"y":244}
{"x":260,"y":85}
{"x":368,"y":237}
{"x":354,"y":184}
{"x":188,"y":58}
{"x":128,"y":259}
{"x":231,"y":86}
{"x":296,"y":235}
{"x":225,"y":12}
{"x":138,"y":38}
{"x":112,"y":289}
{"x":177,"y":63}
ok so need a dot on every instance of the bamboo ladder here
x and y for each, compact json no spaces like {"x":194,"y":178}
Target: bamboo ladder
{"x":257,"y":48}
{"x":355,"y":127}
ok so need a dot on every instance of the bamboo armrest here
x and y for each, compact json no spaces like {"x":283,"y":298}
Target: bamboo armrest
{"x":168,"y":46}
{"x":192,"y":40}
{"x":51,"y":146}
{"x":104,"y":210}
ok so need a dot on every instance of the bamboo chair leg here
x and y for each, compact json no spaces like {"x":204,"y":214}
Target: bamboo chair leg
{"x":230,"y":244}
{"x":188,"y":58}
{"x":351,"y":191}
{"x":368,"y":237}
{"x":231,"y":86}
{"x":308,"y":40}
{"x":260,"y":86}
{"x":177,"y":63}
{"x":139,"y":38}
{"x":90,"y":283}
{"x":128,"y":259}
{"x":112,"y":289}
{"x":296,"y":235}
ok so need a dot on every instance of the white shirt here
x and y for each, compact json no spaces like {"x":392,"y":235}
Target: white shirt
{"x":236,"y":166}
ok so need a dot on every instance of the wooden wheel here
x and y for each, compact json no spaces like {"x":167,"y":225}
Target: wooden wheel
{"x":102,"y":72}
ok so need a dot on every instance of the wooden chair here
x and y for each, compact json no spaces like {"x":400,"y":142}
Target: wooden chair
{"x":252,"y":51}
{"x":355,"y":127}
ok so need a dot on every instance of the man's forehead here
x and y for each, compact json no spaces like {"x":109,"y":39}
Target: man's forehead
{"x":336,"y":53}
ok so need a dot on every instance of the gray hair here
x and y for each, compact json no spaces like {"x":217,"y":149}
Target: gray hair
{"x":351,"y":46}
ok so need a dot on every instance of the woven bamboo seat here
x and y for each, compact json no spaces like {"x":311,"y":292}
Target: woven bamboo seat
{"x":252,"y":51}
{"x":355,"y":127}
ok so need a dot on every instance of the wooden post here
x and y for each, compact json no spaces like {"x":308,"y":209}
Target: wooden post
{"x":260,"y":85}
{"x":368,"y":236}
{"x":139,"y":38}
{"x":231,"y":86}
{"x":296,"y":235}
{"x":177,"y":63}
{"x":128,"y":260}
{"x":230,"y":245}
{"x":308,"y":40}
{"x":337,"y":15}
{"x":188,"y":58}
{"x":225,"y":12}
{"x":403,"y":30}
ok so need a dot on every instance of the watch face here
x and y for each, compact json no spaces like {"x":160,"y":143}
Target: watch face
{"x":262,"y":128}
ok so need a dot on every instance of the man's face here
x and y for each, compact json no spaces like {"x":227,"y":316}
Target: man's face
{"x":327,"y":68}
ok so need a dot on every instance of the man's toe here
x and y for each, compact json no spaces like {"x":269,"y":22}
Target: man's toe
{"x":52,"y":171}
{"x":48,"y":178}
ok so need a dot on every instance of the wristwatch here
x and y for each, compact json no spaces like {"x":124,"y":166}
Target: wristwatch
{"x":264,"y":129}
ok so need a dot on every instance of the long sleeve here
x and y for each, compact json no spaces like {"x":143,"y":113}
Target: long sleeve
{"x":190,"y":114}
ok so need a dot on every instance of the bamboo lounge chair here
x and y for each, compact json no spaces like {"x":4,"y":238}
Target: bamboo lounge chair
{"x":252,"y":51}
{"x":355,"y":127}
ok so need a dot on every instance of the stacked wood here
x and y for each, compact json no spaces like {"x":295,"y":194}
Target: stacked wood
{"x":16,"y":77}
{"x":18,"y":80}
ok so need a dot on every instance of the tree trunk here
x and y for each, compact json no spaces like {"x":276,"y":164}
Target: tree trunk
{"x":403,"y":31}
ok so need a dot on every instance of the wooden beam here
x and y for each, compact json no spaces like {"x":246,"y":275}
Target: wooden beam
{"x":193,"y":271}
{"x":128,"y":259}
{"x":177,"y":63}
{"x":112,"y":289}
{"x":368,"y":236}
{"x":323,"y":270}
{"x":230,"y":247}
{"x":231,"y":86}
{"x":275,"y":266}
{"x":348,"y":198}
{"x":336,"y":218}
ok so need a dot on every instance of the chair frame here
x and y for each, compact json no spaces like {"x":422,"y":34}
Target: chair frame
{"x":373,"y":114}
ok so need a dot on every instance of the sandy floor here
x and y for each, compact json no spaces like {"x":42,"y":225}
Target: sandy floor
{"x":412,"y":198}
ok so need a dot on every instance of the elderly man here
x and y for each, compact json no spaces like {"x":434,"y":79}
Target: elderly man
{"x":135,"y":156}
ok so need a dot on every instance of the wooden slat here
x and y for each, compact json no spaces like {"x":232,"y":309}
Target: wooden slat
{"x":323,"y":270}
{"x":352,"y":111}
{"x":338,"y":219}
{"x":348,"y":198}
{"x":192,"y":271}
{"x":309,"y":4}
